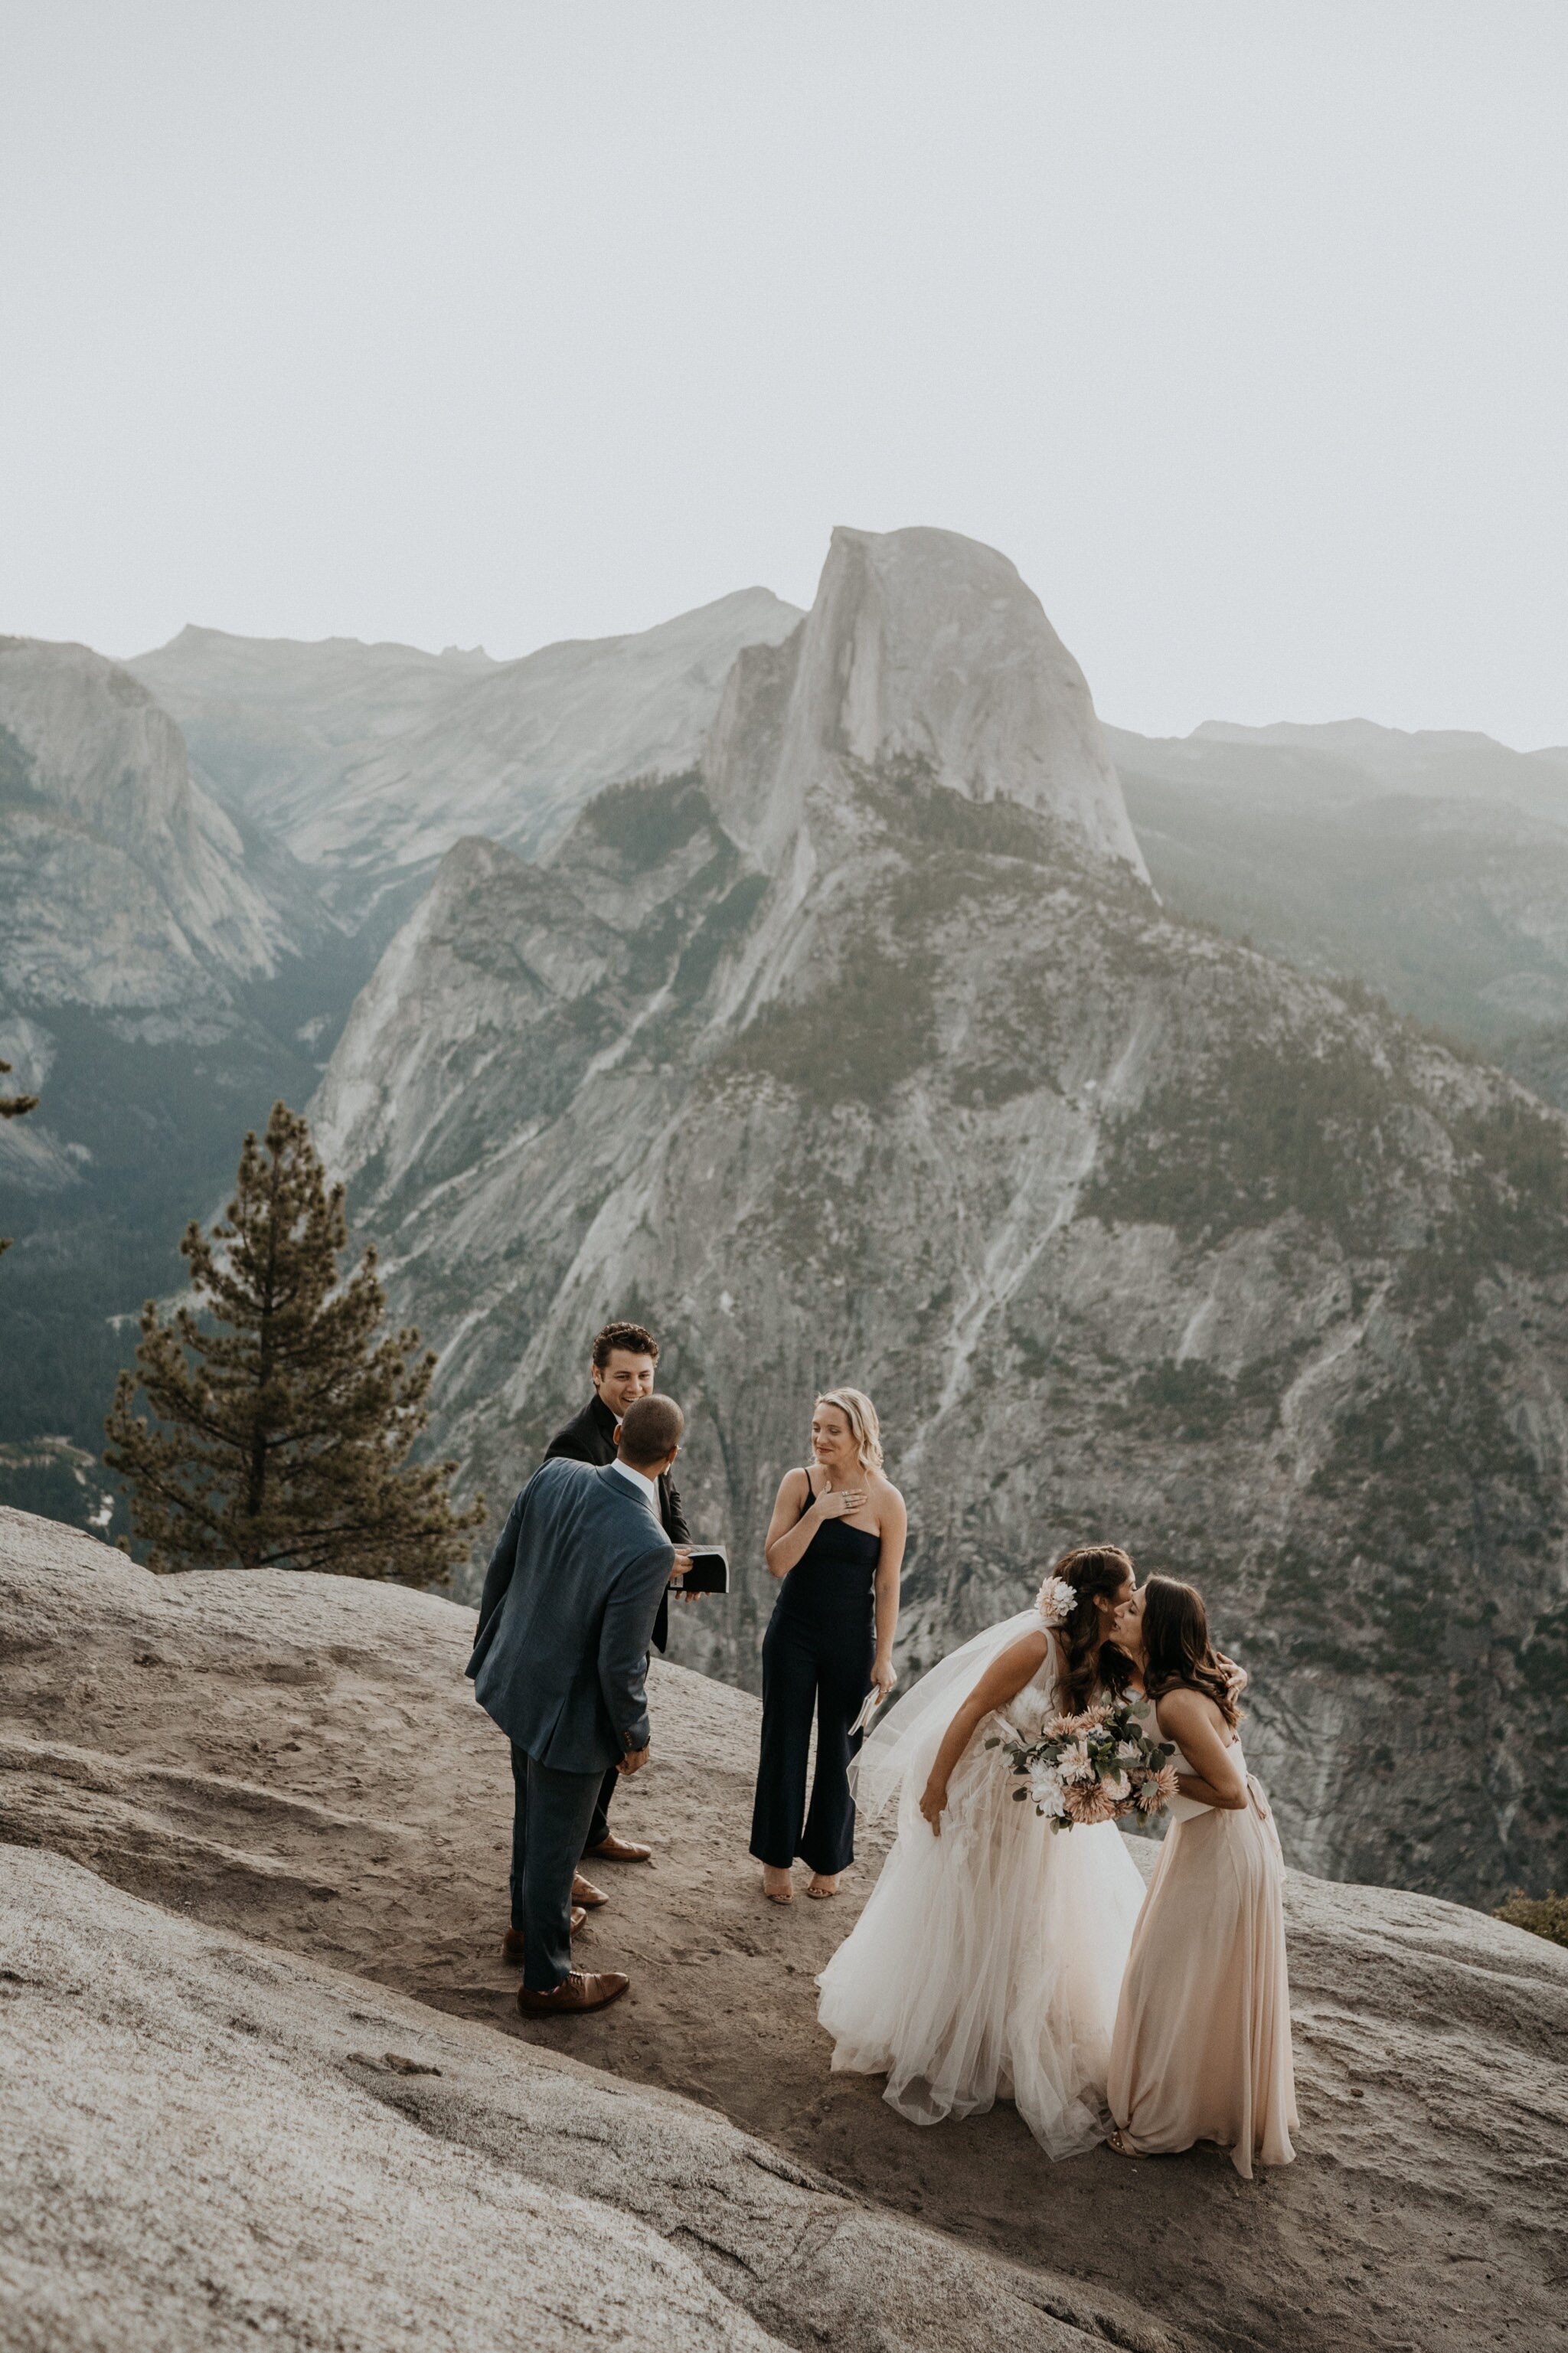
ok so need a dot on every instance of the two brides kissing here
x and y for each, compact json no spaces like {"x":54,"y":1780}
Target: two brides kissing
{"x":1009,"y":1950}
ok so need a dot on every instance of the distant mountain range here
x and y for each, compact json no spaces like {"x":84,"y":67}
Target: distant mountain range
{"x":126,"y":884}
{"x":798,"y":982}
{"x":168,"y":964}
{"x":368,"y":762}
{"x":1433,"y":868}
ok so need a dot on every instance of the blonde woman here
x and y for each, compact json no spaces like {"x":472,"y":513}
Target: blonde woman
{"x":835,"y":1543}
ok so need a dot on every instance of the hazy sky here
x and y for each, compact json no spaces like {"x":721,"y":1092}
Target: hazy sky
{"x":1242,"y":329}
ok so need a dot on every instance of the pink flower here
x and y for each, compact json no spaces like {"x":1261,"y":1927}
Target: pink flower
{"x":1157,"y":1790}
{"x":1075,"y":1763}
{"x":1087,"y":1803}
{"x":1056,"y":1601}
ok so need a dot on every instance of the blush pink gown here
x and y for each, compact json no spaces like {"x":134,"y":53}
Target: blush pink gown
{"x":1202,"y":2045}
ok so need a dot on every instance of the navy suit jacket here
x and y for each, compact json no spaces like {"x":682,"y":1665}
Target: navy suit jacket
{"x":590,"y":1437}
{"x":561,"y":1657}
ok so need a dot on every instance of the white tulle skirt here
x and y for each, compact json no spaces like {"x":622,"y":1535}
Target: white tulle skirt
{"x":988,"y":1961}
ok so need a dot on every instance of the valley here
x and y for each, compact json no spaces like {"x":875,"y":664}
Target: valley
{"x":843,"y":1036}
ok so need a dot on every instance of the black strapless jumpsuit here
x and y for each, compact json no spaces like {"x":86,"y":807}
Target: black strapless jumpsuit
{"x":817,"y":1657}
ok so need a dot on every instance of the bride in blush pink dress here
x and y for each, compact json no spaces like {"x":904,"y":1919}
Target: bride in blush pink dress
{"x":1201,"y":2046}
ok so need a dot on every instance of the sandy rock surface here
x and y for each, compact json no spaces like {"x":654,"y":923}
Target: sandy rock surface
{"x":209,"y":2143}
{"x":299,"y":1760}
{"x":199,"y":2151}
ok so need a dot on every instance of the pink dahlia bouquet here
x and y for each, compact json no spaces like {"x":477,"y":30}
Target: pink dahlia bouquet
{"x":1092,"y":1768}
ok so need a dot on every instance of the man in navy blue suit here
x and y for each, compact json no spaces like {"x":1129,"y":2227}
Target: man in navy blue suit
{"x":560,"y":1662}
{"x":623,"y":1367}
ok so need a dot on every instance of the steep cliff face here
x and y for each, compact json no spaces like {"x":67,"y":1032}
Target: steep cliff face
{"x":877,"y":1060}
{"x":167,"y":958}
{"x":121,"y":881}
{"x":925,"y":650}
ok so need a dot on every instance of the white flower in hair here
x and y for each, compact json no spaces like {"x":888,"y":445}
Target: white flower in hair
{"x":1057,"y":1600}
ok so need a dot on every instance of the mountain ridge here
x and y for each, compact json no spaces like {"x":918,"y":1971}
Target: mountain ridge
{"x":126,"y":882}
{"x":924,"y":646}
{"x":1437,"y":876}
{"x":945,"y":1103}
{"x":163,"y":1053}
{"x":368,"y":798}
{"x":1128,"y":1226}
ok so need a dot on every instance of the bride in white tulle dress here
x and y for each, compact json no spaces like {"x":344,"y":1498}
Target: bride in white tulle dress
{"x":987,"y":1962}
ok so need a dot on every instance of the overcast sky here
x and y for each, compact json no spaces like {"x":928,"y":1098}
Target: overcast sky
{"x":1242,"y":329}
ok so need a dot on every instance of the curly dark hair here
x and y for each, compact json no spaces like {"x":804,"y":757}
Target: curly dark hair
{"x":1092,"y":1662}
{"x":1178,"y":1650}
{"x":635,"y":1338}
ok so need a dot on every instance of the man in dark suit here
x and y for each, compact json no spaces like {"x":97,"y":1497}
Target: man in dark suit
{"x":621,"y":1368}
{"x":560,"y":1662}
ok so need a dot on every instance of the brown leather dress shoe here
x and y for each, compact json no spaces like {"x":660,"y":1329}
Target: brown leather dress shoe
{"x":511,"y":1942}
{"x":584,"y":1893}
{"x":582,"y":1990}
{"x":619,"y":1850}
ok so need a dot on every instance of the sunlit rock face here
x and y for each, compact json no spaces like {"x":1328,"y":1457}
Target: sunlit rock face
{"x":122,"y":883}
{"x":921,"y":647}
{"x":370,"y":762}
{"x":865,"y":1053}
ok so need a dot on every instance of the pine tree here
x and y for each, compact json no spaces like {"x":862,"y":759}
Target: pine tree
{"x":282,"y":1422}
{"x":14,"y":1107}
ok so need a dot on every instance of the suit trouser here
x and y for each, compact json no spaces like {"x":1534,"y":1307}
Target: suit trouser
{"x":599,"y":1828}
{"x":549,"y":1827}
{"x":597,"y":1831}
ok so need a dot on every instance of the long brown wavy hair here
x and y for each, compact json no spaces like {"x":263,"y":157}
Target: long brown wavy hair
{"x":1091,"y":1661}
{"x":1177,"y":1649}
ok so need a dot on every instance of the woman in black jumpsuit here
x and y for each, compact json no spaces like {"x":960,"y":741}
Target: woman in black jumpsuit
{"x":836,"y":1542}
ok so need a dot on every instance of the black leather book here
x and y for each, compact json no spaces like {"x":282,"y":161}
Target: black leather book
{"x":709,"y":1572}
